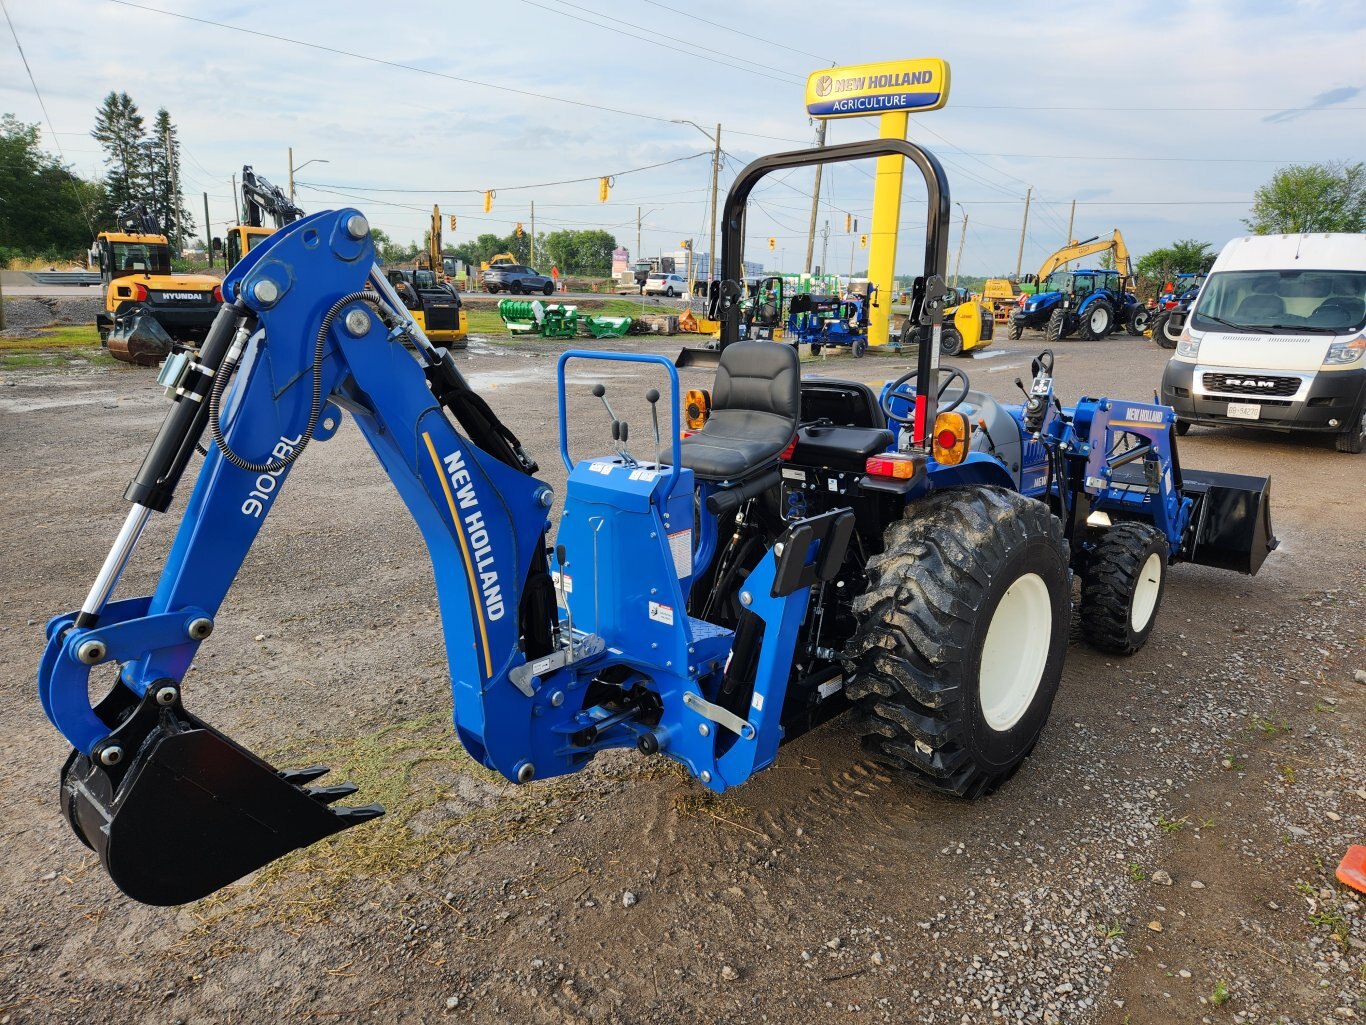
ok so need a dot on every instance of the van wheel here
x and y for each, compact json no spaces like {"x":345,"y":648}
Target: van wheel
{"x":1122,"y":587}
{"x":1353,"y":441}
{"x":1183,"y":427}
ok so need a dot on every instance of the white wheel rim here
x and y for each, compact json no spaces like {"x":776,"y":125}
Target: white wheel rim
{"x":1146,"y":590}
{"x":1015,"y":651}
{"x":1098,"y":320}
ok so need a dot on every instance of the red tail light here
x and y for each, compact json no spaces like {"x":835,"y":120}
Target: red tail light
{"x":786,"y":453}
{"x":139,"y":293}
{"x":218,"y":293}
{"x":1170,"y":304}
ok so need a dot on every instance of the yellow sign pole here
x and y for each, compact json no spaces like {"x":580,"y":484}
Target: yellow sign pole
{"x":886,"y":218}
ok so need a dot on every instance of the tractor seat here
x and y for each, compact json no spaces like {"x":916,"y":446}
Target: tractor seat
{"x":755,"y":402}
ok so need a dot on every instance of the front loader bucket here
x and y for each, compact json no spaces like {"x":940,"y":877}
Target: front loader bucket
{"x":1231,"y":522}
{"x":709,"y":358}
{"x":190,"y":811}
{"x":139,"y":338}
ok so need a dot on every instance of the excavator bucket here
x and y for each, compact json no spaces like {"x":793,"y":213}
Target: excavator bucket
{"x":139,"y":338}
{"x":191,"y":811}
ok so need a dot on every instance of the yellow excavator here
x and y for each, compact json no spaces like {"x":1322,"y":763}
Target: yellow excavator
{"x":433,"y":301}
{"x":260,"y":199}
{"x":135,"y":270}
{"x":1093,"y":303}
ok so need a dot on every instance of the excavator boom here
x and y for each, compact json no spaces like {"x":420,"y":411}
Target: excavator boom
{"x":1079,"y":250}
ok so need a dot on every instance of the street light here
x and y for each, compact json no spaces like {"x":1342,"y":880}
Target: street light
{"x":715,"y":172}
{"x":292,"y":169}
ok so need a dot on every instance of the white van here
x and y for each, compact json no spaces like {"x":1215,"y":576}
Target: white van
{"x":1275,"y":339}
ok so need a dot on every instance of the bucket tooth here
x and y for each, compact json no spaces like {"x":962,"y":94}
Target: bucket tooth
{"x":305,"y":775}
{"x":331,"y":794}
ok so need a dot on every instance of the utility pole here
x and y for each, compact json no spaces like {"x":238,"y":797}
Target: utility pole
{"x":291,"y":175}
{"x":715,"y":173}
{"x":1019,"y":259}
{"x":1070,"y":218}
{"x":825,"y":245}
{"x":533,"y":232}
{"x":815,"y":199}
{"x":638,"y":255}
{"x":236,"y":210}
{"x":175,"y":193}
{"x":208,"y":231}
{"x":961,"y":239}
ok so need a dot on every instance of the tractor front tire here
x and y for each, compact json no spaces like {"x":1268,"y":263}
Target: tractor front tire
{"x":1138,"y":321}
{"x":1056,"y":329}
{"x":1096,"y":323}
{"x":860,"y":347}
{"x":961,"y":638}
{"x":1015,"y":331}
{"x":1122,"y":587}
{"x":1161,"y":333}
{"x":950,"y":342}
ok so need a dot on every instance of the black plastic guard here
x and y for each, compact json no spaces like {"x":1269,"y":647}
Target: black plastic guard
{"x":1231,"y":523}
{"x":188,"y":811}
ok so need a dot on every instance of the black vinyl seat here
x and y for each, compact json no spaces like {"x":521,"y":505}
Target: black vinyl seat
{"x":755,"y":399}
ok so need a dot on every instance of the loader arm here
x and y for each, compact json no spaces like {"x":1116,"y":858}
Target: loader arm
{"x":1080,"y":250}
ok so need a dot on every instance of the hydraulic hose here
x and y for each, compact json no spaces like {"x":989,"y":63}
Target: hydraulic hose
{"x":220,"y":383}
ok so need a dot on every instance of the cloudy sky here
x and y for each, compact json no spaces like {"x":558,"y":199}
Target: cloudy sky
{"x":1158,"y":118}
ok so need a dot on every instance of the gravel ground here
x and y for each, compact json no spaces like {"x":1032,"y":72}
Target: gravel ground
{"x":1165,"y":855}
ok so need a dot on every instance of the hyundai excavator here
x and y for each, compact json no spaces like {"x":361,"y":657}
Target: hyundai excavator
{"x":1091,"y":303}
{"x":812,"y":548}
{"x":260,"y":200}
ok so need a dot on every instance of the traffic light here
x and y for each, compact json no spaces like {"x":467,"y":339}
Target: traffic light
{"x":773,"y":243}
{"x":686,"y":243}
{"x":519,"y":229}
{"x":488,"y":201}
{"x":603,"y":185}
{"x":452,"y":222}
{"x":863,"y":241}
{"x":848,"y":223}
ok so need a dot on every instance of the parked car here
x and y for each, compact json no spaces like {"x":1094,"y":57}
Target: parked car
{"x":1275,"y":339}
{"x":665,"y":284}
{"x":514,"y":278}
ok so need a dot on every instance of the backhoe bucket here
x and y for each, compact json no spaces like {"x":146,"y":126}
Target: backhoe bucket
{"x":139,"y":338}
{"x":1231,"y":522}
{"x":190,"y":811}
{"x":697,"y":357}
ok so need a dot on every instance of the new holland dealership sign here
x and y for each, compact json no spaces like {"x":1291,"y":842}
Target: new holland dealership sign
{"x":890,"y":87}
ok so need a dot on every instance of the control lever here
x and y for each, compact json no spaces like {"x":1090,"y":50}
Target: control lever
{"x":618,"y":426}
{"x":652,"y":397}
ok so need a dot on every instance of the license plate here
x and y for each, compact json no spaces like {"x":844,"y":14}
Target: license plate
{"x":1245,"y":410}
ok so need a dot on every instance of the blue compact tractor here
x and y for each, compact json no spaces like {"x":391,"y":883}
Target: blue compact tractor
{"x":810,"y":549}
{"x":1089,"y":303}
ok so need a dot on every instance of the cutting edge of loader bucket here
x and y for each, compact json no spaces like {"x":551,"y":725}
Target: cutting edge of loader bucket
{"x":191,"y":811}
{"x":707,"y":358}
{"x":1231,"y":524}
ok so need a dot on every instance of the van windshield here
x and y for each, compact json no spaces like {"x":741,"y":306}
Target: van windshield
{"x":1282,"y":301}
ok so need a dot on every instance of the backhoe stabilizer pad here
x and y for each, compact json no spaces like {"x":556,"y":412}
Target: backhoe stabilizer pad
{"x":191,"y":811}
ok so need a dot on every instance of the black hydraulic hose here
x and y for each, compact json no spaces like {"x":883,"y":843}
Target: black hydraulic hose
{"x":220,"y":383}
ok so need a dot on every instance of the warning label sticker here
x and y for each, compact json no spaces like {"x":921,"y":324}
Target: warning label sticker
{"x":680,"y":545}
{"x":662,"y":613}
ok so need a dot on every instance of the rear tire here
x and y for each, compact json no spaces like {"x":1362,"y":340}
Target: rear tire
{"x":1138,"y":321}
{"x":950,"y":342}
{"x":1161,"y":331}
{"x":1122,"y":587}
{"x":1015,"y":331}
{"x":1056,"y":329}
{"x":961,"y":638}
{"x":1096,"y":321}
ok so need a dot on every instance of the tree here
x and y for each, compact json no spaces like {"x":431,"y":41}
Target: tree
{"x":1311,"y":197}
{"x":1186,"y":256}
{"x":165,"y":197}
{"x":119,"y":128}
{"x":43,"y":205}
{"x":581,"y":252}
{"x":389,"y":251}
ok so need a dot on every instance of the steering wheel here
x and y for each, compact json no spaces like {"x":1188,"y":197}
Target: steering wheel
{"x":896,"y":391}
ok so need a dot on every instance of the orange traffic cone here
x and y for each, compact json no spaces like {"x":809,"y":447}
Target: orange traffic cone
{"x":1352,"y":869}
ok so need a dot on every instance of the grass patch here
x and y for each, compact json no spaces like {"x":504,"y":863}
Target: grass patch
{"x":1170,"y":825}
{"x":54,"y":347}
{"x":1136,"y":873}
{"x":1220,"y":994}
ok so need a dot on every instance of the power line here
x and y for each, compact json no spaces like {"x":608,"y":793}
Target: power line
{"x":750,"y":36}
{"x":36,"y":92}
{"x":1108,"y":109}
{"x":671,"y":45}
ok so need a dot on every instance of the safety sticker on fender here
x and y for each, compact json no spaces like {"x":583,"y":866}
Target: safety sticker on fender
{"x":600,"y":468}
{"x":662,"y":613}
{"x":645,"y":475}
{"x":757,"y":702}
{"x":680,"y":545}
{"x":791,"y":474}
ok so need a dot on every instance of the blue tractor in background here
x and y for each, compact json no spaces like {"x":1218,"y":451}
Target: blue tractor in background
{"x":1090,"y":303}
{"x":1169,"y":315}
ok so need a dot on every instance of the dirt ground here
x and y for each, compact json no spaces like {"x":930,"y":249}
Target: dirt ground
{"x":1166,"y":855}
